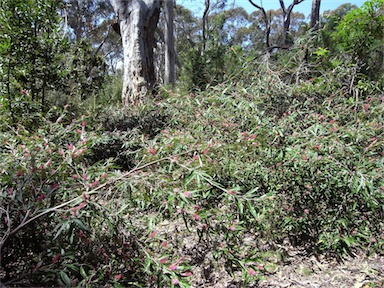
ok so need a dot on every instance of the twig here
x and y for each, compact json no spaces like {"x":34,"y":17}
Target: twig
{"x":25,"y":222}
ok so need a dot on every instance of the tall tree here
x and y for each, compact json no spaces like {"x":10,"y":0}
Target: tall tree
{"x":138,"y":21}
{"x":315,"y":14}
{"x":31,"y":54}
{"x":170,"y":57}
{"x":279,"y":26}
{"x":90,"y":21}
{"x":266,"y":23}
{"x":287,"y":11}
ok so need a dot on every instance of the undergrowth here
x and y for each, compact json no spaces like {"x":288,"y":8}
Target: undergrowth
{"x":195,"y":184}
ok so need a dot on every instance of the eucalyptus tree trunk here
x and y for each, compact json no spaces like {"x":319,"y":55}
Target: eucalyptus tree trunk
{"x":138,"y":21}
{"x":288,"y":41}
{"x":170,"y":57}
{"x":315,"y":14}
{"x":205,"y":24}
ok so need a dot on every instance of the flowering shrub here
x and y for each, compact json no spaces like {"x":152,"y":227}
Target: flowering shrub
{"x":207,"y":190}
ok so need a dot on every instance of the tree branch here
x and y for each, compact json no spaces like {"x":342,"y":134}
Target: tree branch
{"x":266,"y":21}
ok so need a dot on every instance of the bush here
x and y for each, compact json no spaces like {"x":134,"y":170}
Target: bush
{"x":209,"y":183}
{"x":361,"y":34}
{"x":54,"y":229}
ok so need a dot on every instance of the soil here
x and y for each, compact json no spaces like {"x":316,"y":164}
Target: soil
{"x":285,"y":266}
{"x":299,"y":271}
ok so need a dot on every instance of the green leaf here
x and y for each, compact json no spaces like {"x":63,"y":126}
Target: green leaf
{"x":80,"y":224}
{"x":83,"y":273}
{"x":240,"y":206}
{"x":65,"y":278}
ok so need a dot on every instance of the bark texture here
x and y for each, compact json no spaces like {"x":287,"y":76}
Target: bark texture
{"x":288,"y":41}
{"x":138,"y":20}
{"x":170,"y":57}
{"x":315,"y":14}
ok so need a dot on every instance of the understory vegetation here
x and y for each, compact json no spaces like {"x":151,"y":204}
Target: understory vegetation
{"x":287,"y":149}
{"x":131,"y":197}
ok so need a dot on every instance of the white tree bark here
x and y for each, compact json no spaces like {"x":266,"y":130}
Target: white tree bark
{"x":138,"y":21}
{"x":170,"y":57}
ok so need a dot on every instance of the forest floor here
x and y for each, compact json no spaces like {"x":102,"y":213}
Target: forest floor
{"x":298,"y":271}
{"x":283,"y":265}
{"x":357,"y":272}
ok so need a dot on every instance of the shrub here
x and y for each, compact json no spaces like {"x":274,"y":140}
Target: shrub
{"x":361,"y":34}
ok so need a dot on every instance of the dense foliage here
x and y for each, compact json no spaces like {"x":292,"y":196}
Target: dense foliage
{"x":37,"y":60}
{"x":215,"y":178}
{"x":361,"y":33}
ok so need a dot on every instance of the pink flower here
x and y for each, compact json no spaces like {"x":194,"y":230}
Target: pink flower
{"x":152,"y":234}
{"x":25,"y":92}
{"x":175,"y":281}
{"x":173,"y":267}
{"x":187,"y":194}
{"x":83,"y":123}
{"x":118,"y":277}
{"x":41,"y":197}
{"x":187,"y":274}
{"x":54,"y":186}
{"x":94,"y":183}
{"x":48,"y":164}
{"x":76,"y":208}
{"x":70,"y":147}
{"x":10,"y":192}
{"x":81,"y":234}
{"x":306,"y":211}
{"x":79,"y":152}
{"x":197,"y":207}
{"x":104,"y":175}
{"x":56,"y":258}
{"x":151,"y":150}
{"x":332,"y":129}
{"x":85,"y":177}
{"x":163,"y":260}
{"x":164,"y":244}
{"x":197,"y":217}
{"x":251,"y":272}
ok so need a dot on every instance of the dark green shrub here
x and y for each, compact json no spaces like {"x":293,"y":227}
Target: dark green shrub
{"x":361,"y":34}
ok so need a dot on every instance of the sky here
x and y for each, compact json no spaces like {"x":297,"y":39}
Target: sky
{"x":305,"y":7}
